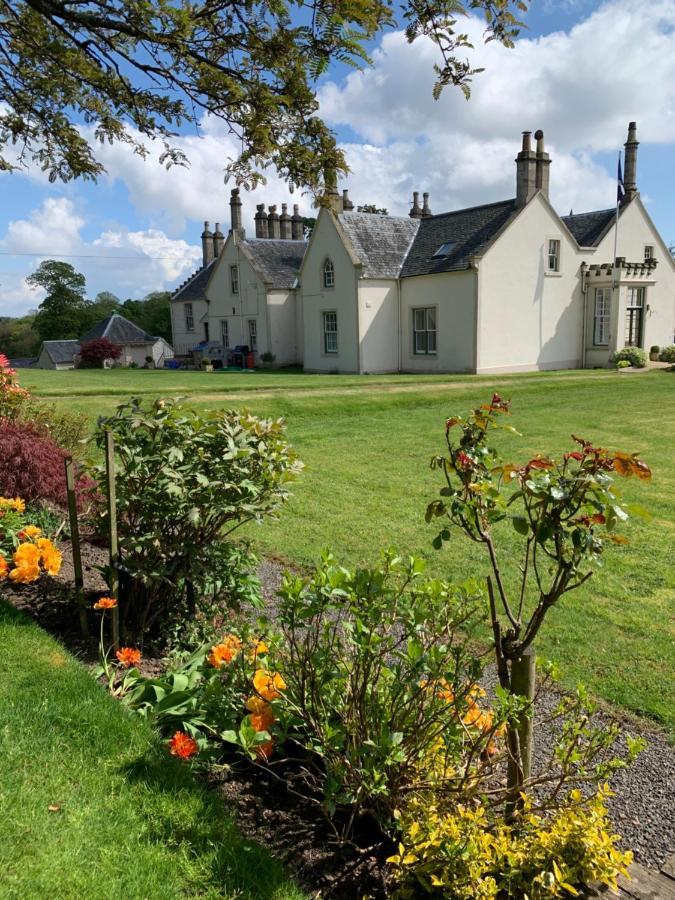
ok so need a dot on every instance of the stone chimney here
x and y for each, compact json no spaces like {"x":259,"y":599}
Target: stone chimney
{"x":543,"y":164}
{"x":426,"y":212}
{"x":416,"y":211}
{"x":630,"y":163}
{"x":218,"y":241}
{"x":296,"y":224}
{"x":285,"y":223}
{"x":273,"y":226}
{"x":207,"y":245}
{"x":235,"y":214}
{"x":526,"y":171}
{"x":347,"y":205}
{"x":260,"y":221}
{"x":334,"y":201}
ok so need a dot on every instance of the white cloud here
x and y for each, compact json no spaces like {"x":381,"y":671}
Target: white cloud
{"x":128,"y":263}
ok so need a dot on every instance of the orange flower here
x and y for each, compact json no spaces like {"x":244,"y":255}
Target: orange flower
{"x":26,"y":555}
{"x":128,"y":656}
{"x":259,"y":649}
{"x":183,"y":745}
{"x":268,"y":685}
{"x":4,"y":568}
{"x":262,"y":715}
{"x":29,"y":531}
{"x":18,"y":505}
{"x":264,"y":750}
{"x":105,"y":603}
{"x":25,"y":574}
{"x":223,"y":653}
{"x":51,"y":557}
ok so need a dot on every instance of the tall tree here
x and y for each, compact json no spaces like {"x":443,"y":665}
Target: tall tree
{"x":64,"y":311}
{"x":18,"y":337}
{"x":152,"y":314}
{"x":139,"y":69}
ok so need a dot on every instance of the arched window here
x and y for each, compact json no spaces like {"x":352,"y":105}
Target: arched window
{"x":328,"y":274}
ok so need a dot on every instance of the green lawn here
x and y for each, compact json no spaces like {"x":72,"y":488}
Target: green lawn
{"x":366,"y":443}
{"x":93,"y":806}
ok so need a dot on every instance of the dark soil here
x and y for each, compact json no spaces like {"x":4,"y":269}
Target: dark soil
{"x":292,"y":828}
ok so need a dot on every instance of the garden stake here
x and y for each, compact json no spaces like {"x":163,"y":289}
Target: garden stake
{"x":112,"y":532}
{"x":75,"y":543}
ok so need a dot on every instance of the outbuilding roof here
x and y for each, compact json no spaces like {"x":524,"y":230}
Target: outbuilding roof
{"x":589,"y":228}
{"x":380,"y":242}
{"x":61,"y":351}
{"x":276,"y":261}
{"x":468,"y":232}
{"x":120,"y":331}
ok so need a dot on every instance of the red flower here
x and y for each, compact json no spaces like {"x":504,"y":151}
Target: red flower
{"x":183,"y":745}
{"x":463,"y":461}
{"x":575,"y":455}
{"x":128,"y":656}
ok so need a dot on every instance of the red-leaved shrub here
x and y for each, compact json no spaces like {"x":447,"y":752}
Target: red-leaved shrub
{"x":92,"y":353}
{"x":32,"y":466}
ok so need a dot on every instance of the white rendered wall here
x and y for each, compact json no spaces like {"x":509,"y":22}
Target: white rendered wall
{"x":182,"y":340}
{"x":342,"y":299}
{"x":452,"y":294}
{"x":282,"y":327}
{"x":237,"y":309}
{"x":528,"y":318}
{"x":378,"y":325}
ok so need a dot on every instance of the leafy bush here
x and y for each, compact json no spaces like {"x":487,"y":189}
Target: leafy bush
{"x":67,"y":429}
{"x":667,"y":354}
{"x":185,"y":482}
{"x":636,"y":356}
{"x":12,"y":396}
{"x":623,"y":364}
{"x":92,"y":353}
{"x":33,"y":466}
{"x":466,"y":855}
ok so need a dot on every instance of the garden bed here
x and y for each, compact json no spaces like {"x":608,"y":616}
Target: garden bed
{"x":293,"y":830}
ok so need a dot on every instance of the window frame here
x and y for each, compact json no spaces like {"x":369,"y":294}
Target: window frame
{"x":234,"y":279}
{"x":189,"y":315}
{"x":325,"y":332}
{"x":602,"y":320}
{"x":557,"y":255}
{"x":649,"y":252}
{"x":225,"y":333}
{"x":252,"y":335}
{"x":328,"y":269}
{"x":426,"y":330}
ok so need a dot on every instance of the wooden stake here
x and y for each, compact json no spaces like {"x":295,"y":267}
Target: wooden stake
{"x":75,"y":544}
{"x":113,"y":578}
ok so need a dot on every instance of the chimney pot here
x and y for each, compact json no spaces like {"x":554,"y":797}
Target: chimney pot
{"x":285,"y":223}
{"x":527,"y":141}
{"x":273,"y":225}
{"x":235,"y":214}
{"x":218,"y":241}
{"x":296,"y":224}
{"x":416,"y":211}
{"x":347,"y":205}
{"x":425,"y":207}
{"x":207,"y":245}
{"x":260,"y":221}
{"x":542,"y":165}
{"x":630,"y":163}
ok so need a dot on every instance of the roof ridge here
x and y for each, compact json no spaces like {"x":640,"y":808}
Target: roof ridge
{"x":590,"y":212}
{"x":465,"y":209}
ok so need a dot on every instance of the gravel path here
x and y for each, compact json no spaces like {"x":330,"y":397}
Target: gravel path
{"x":643,"y":806}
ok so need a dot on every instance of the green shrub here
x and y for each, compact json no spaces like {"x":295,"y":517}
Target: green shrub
{"x":464,"y":854}
{"x":667,"y":354}
{"x":69,"y":430}
{"x":185,"y":482}
{"x":636,"y":356}
{"x":623,"y":364}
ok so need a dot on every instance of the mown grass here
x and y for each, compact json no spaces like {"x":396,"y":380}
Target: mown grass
{"x":93,"y":806}
{"x":366,"y":444}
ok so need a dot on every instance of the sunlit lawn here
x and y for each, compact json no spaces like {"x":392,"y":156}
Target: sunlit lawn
{"x":366,"y":444}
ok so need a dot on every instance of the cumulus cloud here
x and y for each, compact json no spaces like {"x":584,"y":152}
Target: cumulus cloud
{"x":128,"y":263}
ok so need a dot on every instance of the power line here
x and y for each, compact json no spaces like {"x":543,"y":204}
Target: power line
{"x":98,"y":256}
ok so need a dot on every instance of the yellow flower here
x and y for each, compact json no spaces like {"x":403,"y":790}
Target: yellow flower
{"x":26,"y":554}
{"x":50,"y":556}
{"x":30,"y":531}
{"x":259,"y":648}
{"x":25,"y":574}
{"x":268,"y":684}
{"x":17,"y":504}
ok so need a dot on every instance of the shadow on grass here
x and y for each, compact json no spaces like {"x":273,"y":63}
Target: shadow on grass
{"x":209,"y":832}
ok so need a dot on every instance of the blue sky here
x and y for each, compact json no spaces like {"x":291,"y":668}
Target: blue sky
{"x":581,"y":71}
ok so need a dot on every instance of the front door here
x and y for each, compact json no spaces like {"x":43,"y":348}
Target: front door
{"x":634,"y":311}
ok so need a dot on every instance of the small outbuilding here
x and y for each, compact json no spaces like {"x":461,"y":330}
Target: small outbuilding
{"x":57,"y":355}
{"x":135,"y":343}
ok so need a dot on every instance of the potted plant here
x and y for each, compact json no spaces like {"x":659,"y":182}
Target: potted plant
{"x":654,"y":351}
{"x":267,"y":358}
{"x":149,"y":362}
{"x":207,"y":365}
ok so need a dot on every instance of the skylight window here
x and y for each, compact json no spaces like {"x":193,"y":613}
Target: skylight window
{"x":444,"y":250}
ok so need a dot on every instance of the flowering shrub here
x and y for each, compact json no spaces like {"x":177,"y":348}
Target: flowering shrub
{"x":33,"y":465}
{"x":667,"y":354}
{"x":92,"y":353}
{"x":30,"y":552}
{"x":465,"y":854}
{"x":636,"y":356}
{"x":185,"y":482}
{"x":12,"y":396}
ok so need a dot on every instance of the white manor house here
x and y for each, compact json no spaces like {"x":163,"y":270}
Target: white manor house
{"x":504,"y":287}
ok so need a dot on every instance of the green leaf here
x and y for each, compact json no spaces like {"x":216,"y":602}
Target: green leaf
{"x":521,"y":524}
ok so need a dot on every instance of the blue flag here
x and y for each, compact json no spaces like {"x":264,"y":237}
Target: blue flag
{"x":620,"y":189}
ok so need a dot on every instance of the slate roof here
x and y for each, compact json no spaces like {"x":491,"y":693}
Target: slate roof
{"x":380,"y":242}
{"x":120,"y":331}
{"x":194,"y":287}
{"x":22,"y":362}
{"x":277,"y":261}
{"x":588,"y":228}
{"x":470,"y":230}
{"x":61,"y":351}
